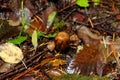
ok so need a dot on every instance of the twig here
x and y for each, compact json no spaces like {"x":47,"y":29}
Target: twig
{"x":31,"y":69}
{"x":21,"y":67}
{"x":72,"y":4}
{"x":91,"y":23}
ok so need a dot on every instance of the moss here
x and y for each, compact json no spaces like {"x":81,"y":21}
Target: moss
{"x":80,"y":77}
{"x":58,"y":24}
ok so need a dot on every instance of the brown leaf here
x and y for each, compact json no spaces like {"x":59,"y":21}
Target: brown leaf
{"x":51,"y":45}
{"x":89,"y":60}
{"x":77,"y":17}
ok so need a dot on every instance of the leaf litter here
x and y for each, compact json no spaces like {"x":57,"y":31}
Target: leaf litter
{"x":59,"y":40}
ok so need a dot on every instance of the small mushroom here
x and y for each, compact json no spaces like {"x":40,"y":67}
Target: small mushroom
{"x":62,"y":40}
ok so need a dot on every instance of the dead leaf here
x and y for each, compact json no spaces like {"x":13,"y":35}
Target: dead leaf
{"x":51,"y":45}
{"x":6,"y":67}
{"x":10,"y":53}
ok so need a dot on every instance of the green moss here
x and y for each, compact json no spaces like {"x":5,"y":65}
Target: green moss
{"x":58,"y":24}
{"x":80,"y":77}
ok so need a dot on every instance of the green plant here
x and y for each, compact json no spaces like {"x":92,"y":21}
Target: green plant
{"x":82,"y":3}
{"x":58,"y":24}
{"x":85,"y":3}
{"x":44,"y":34}
{"x":24,"y":22}
{"x":36,"y":34}
{"x":52,"y":35}
{"x":96,"y":2}
{"x":18,"y":40}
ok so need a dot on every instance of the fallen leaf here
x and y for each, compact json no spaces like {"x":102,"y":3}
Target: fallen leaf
{"x":6,"y":67}
{"x":51,"y":45}
{"x":10,"y":53}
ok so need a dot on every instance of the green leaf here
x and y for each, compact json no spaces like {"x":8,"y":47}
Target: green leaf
{"x":18,"y":40}
{"x":52,"y":35}
{"x":39,"y":34}
{"x":82,"y":3}
{"x":51,"y":18}
{"x":24,"y":16}
{"x":34,"y":39}
{"x":96,"y":2}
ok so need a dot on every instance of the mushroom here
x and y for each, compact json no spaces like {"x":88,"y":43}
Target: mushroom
{"x":62,"y":40}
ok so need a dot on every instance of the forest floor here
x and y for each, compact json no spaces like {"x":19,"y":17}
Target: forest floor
{"x":59,"y":40}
